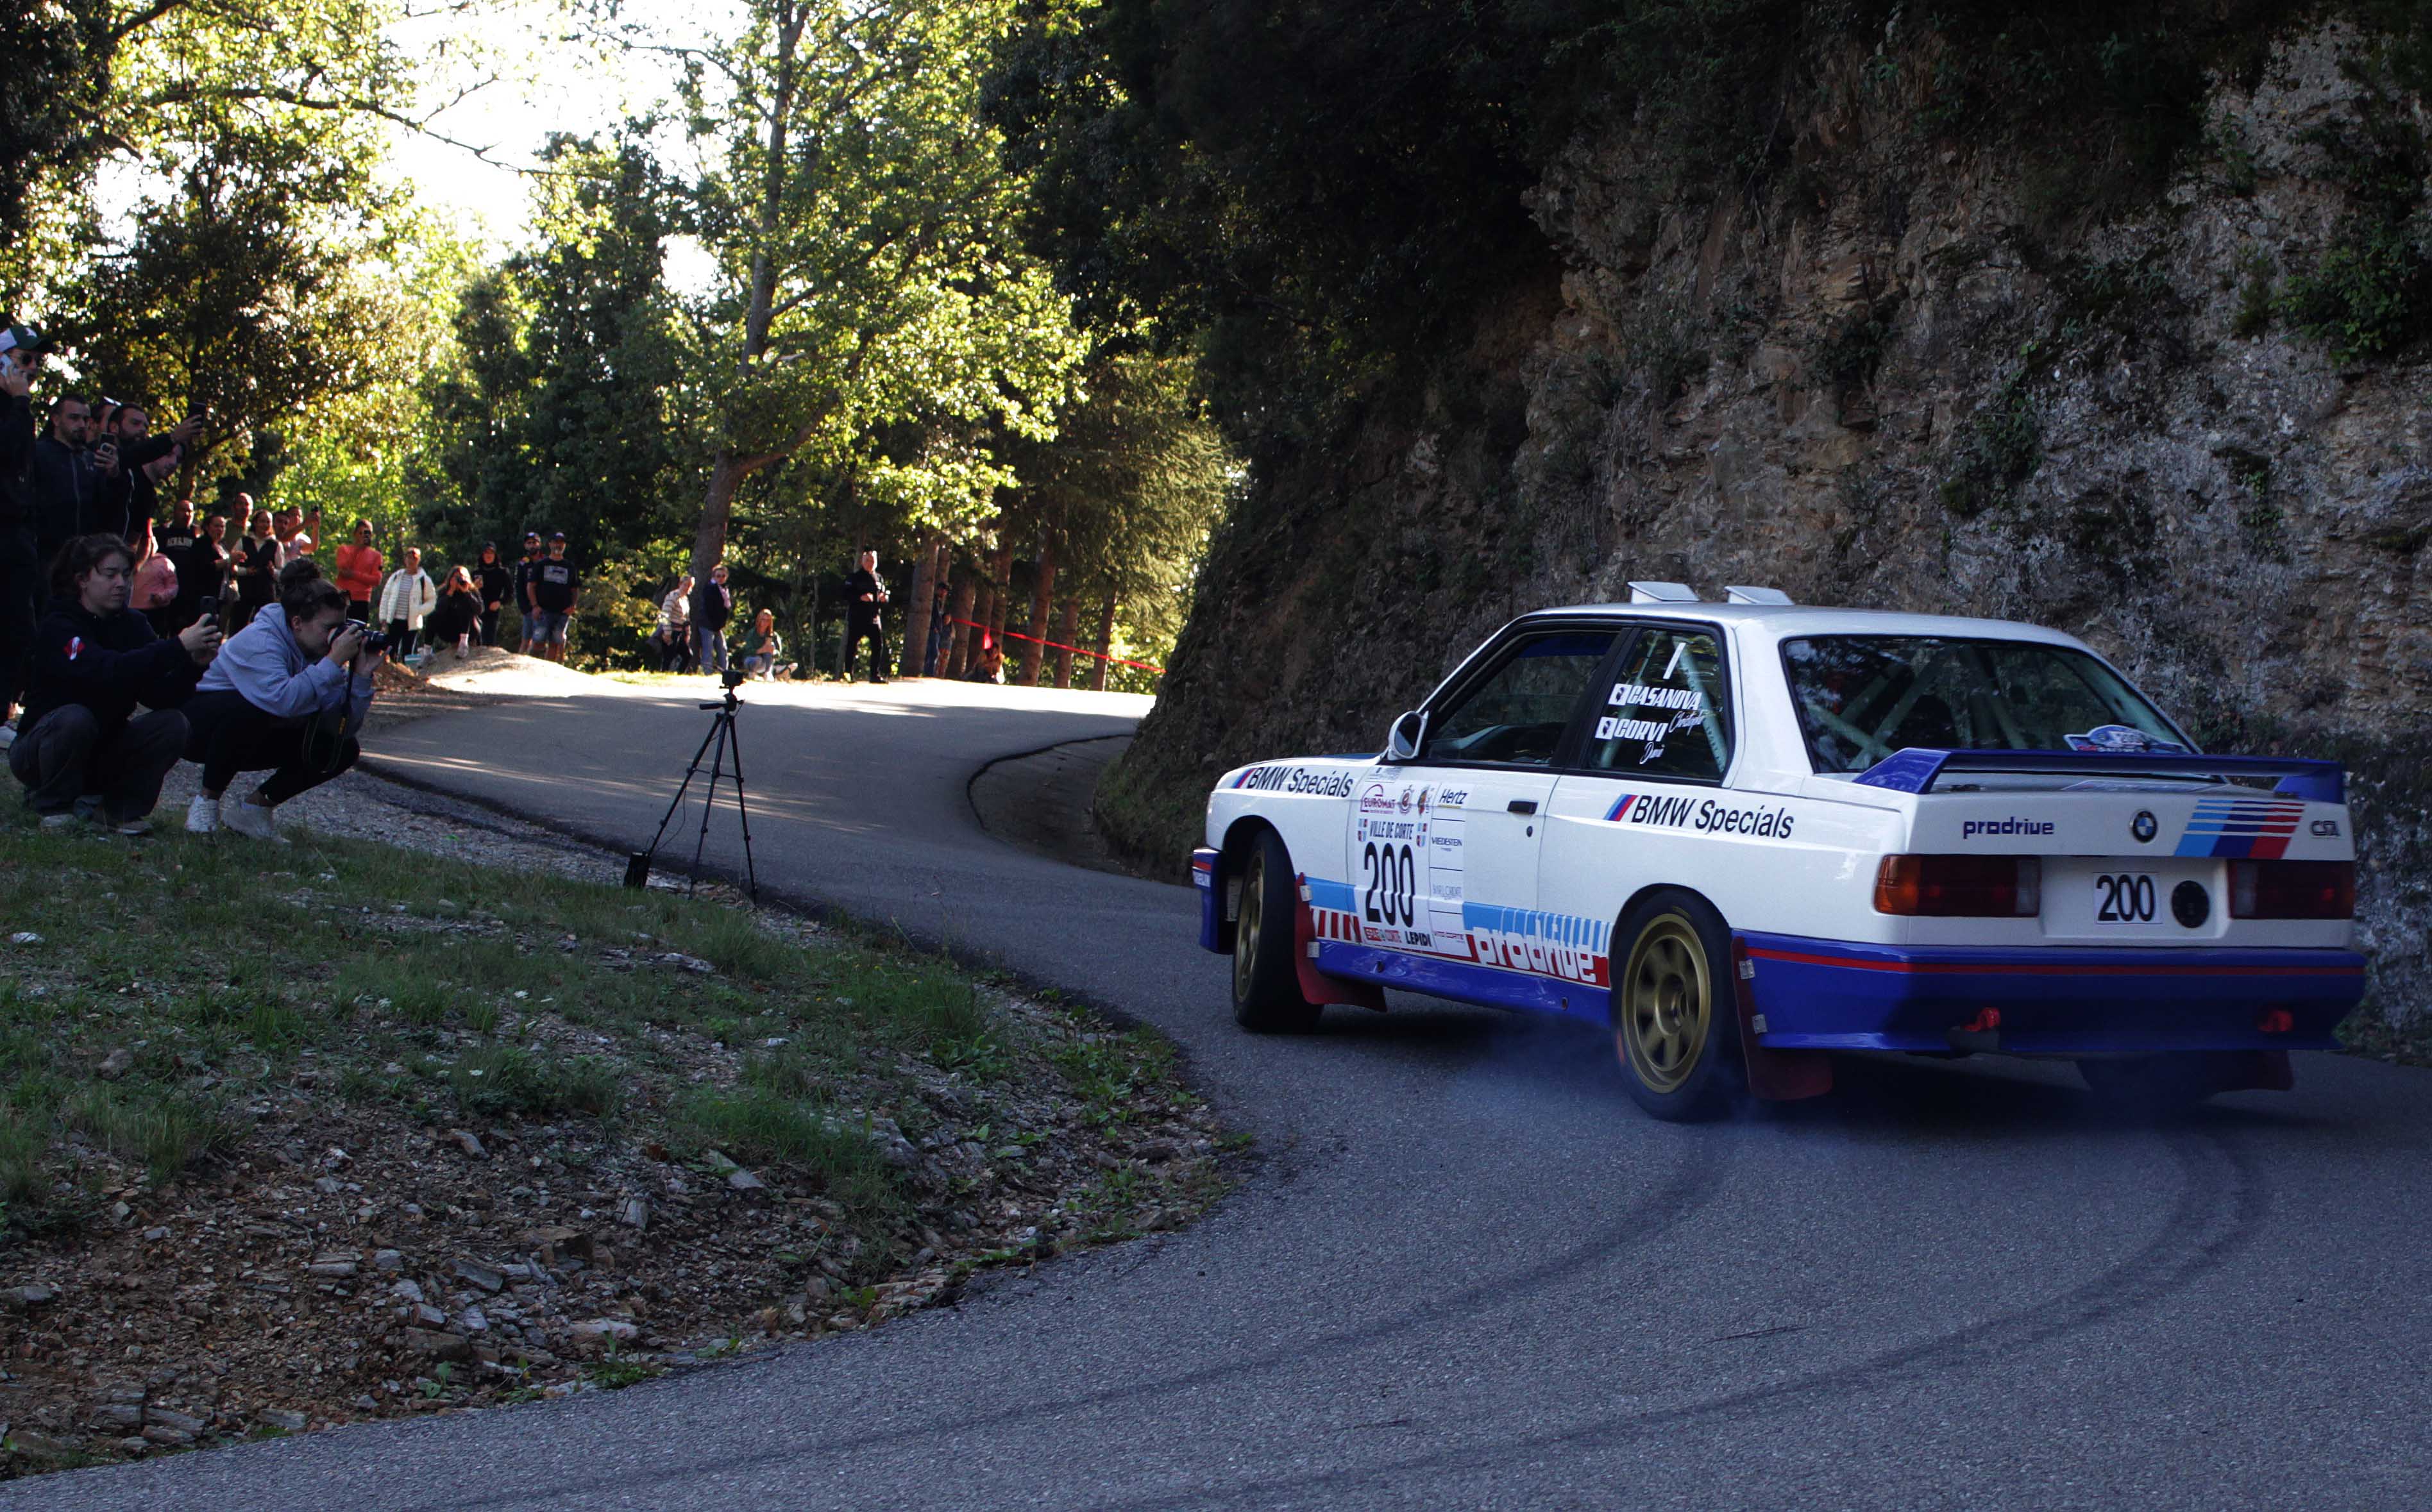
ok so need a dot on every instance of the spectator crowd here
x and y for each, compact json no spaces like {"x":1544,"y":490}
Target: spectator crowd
{"x":243,"y":654}
{"x":256,"y":651}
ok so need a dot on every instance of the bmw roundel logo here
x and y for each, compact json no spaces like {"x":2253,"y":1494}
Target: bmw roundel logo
{"x":2143,"y":826}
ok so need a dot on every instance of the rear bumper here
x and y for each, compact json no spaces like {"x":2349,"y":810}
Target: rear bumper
{"x":1832,"y":994}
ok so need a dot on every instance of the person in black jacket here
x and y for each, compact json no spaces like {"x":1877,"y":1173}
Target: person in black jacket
{"x":495,"y":583}
{"x":81,"y":749}
{"x":865,"y":595}
{"x":713,"y":605}
{"x":525,"y":572}
{"x":143,"y":460}
{"x":21,"y":573}
{"x":65,"y":477}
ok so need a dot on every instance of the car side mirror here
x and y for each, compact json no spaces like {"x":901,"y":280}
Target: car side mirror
{"x":1409,"y":732}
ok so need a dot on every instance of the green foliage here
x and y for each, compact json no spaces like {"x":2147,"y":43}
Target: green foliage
{"x":2369,"y":296}
{"x":55,"y":76}
{"x":561,"y":404}
{"x":2254,"y":296}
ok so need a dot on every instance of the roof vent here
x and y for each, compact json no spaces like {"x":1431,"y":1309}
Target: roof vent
{"x":1662,"y":592}
{"x":1755,"y":595}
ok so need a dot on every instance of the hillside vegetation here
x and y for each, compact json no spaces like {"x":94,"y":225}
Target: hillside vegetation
{"x":2110,"y":316}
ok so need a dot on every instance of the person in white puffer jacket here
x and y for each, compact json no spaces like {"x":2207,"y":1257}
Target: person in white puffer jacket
{"x":409,"y":595}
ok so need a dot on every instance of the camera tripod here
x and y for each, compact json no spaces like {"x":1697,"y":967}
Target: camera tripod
{"x":727,"y":742}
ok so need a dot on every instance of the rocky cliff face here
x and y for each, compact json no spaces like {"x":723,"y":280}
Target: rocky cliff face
{"x":1906,"y":374}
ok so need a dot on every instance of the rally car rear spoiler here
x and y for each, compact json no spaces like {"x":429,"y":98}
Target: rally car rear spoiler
{"x":1915,"y":769}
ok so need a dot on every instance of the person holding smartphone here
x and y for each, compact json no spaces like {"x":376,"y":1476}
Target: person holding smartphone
{"x":288,"y":696}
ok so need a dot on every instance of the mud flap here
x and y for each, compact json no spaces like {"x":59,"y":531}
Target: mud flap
{"x":2256,"y":1071}
{"x":1316,"y":985}
{"x":1776,"y":1076}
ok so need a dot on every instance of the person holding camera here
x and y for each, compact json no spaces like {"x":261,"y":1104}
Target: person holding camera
{"x":459,"y":614}
{"x":66,"y":477}
{"x":288,"y":696}
{"x":83,"y":751}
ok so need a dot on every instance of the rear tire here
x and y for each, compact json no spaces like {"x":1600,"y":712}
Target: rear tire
{"x":1676,"y":1010}
{"x":1266,"y":981}
{"x":2152,"y":1086}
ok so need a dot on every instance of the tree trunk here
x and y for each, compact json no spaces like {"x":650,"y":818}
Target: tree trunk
{"x":958,"y":630}
{"x":726,"y":470}
{"x":1067,"y":621}
{"x":1000,"y":591}
{"x":916,"y":611}
{"x":1106,"y":644}
{"x":1042,"y":600}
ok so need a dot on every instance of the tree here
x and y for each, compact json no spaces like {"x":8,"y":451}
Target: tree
{"x":860,"y":217}
{"x":55,"y":74}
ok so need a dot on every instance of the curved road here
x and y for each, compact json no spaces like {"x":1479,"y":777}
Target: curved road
{"x":1468,"y":1273}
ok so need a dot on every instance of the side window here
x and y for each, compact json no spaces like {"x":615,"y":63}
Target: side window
{"x":1665,"y":714}
{"x":1515,"y":717}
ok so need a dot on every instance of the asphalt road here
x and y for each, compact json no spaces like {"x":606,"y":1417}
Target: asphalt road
{"x":1468,"y":1272}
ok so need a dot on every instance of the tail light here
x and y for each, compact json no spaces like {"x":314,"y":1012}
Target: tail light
{"x":1960,"y":886}
{"x":2292,"y":889}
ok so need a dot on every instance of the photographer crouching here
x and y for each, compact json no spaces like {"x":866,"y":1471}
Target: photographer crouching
{"x":83,"y":751}
{"x":287,"y":695}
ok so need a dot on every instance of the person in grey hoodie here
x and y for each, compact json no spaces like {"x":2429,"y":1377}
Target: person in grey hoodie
{"x":287,"y":695}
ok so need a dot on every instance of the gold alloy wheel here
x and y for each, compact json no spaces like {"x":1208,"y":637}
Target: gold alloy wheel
{"x":1665,"y":998}
{"x":1245,"y":929}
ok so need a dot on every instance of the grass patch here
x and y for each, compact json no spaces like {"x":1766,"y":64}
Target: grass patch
{"x":390,"y":978}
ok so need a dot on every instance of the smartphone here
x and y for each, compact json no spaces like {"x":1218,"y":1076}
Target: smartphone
{"x":212,"y":610}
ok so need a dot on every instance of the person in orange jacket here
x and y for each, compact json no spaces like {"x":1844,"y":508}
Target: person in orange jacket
{"x":359,"y":573}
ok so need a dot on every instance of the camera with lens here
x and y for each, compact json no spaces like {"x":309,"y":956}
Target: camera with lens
{"x":733,"y":677}
{"x":375,"y":641}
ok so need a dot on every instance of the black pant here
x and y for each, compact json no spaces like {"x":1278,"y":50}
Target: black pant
{"x":20,"y":580}
{"x":400,"y":640}
{"x":489,"y":627}
{"x":360,"y":611}
{"x":857,"y":629}
{"x":69,"y":754}
{"x":230,"y":735}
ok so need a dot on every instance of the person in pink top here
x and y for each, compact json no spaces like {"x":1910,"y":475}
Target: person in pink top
{"x":359,"y":573}
{"x":154,"y":586}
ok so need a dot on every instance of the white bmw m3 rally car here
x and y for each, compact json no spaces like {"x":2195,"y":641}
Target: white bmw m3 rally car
{"x":1744,"y":834}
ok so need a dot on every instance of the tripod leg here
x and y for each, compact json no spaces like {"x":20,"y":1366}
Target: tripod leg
{"x":676,"y":802}
{"x":751,"y":873}
{"x":722,"y":727}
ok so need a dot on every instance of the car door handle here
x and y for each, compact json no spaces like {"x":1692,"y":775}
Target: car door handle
{"x":1521,"y":806}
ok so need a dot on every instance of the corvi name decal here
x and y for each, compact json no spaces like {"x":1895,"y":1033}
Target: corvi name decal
{"x":2011,"y":825}
{"x":1706,"y":817}
{"x":1296,"y":779}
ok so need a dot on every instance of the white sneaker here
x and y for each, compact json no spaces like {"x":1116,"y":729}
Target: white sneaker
{"x":249,"y":819}
{"x":202,"y":816}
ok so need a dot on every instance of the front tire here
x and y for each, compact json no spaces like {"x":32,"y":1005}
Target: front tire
{"x":1675,"y":1012}
{"x":1266,"y":981}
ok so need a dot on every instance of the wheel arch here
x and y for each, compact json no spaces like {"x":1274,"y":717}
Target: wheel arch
{"x":1232,"y":860}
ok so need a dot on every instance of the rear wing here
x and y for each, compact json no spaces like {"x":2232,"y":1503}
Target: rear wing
{"x":1915,"y":769}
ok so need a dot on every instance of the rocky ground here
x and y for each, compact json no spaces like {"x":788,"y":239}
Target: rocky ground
{"x":386,"y":1206}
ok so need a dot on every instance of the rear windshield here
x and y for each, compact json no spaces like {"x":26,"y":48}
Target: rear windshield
{"x":1860,"y":698}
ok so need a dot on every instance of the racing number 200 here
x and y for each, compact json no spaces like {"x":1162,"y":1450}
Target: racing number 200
{"x":2125,"y":898}
{"x":1393,"y":877}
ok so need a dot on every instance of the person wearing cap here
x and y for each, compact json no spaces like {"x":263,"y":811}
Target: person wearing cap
{"x":20,"y":572}
{"x":554,"y":587}
{"x":495,"y":583}
{"x":524,"y":571}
